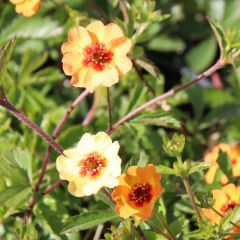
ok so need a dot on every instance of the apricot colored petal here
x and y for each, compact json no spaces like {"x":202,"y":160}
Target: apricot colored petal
{"x":96,"y":30}
{"x":121,"y":46}
{"x":232,"y":192}
{"x":123,"y":64}
{"x":71,"y":62}
{"x":145,"y":212}
{"x":211,"y":215}
{"x":220,"y":197}
{"x":28,"y":8}
{"x":112,"y":31}
{"x":105,"y":78}
{"x":80,"y":34}
{"x":210,"y":175}
{"x":78,"y":80}
{"x":236,"y":168}
{"x":73,"y":46}
{"x":17,"y":1}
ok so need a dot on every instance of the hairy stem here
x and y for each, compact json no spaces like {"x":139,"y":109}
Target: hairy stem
{"x":190,"y":194}
{"x":56,"y":132}
{"x":165,"y":225}
{"x":109,"y":110}
{"x":219,"y":64}
{"x":6,"y":104}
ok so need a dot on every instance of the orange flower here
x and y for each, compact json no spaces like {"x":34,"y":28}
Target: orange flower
{"x":96,"y":55}
{"x":26,"y":7}
{"x":137,"y":192}
{"x":225,"y":199}
{"x":233,"y":151}
{"x":93,"y":164}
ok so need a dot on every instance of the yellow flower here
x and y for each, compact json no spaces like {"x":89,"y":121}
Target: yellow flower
{"x":96,"y":55}
{"x":225,"y":200}
{"x":93,"y":164}
{"x":137,"y":192}
{"x":233,"y":151}
{"x":26,"y":7}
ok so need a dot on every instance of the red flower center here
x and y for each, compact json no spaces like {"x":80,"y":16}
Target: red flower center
{"x":228,"y":206}
{"x":234,"y":161}
{"x":97,"y":56}
{"x":140,"y":194}
{"x":92,"y":165}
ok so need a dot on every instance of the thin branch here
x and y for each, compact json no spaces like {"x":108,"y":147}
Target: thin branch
{"x":141,"y":233}
{"x":109,"y":109}
{"x":90,"y":115}
{"x":56,"y":132}
{"x":165,"y":225}
{"x":189,"y":191}
{"x":222,"y":216}
{"x":6,"y":104}
{"x":219,"y":64}
{"x":152,"y":225}
{"x":123,"y":8}
{"x":55,"y":185}
{"x":145,"y":82}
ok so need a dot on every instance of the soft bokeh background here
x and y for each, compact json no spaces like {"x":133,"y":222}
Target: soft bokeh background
{"x":169,"y":53}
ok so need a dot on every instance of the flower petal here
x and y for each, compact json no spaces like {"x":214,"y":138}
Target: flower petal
{"x":96,"y":30}
{"x":123,"y":64}
{"x":80,"y":34}
{"x":121,"y":46}
{"x":105,"y":78}
{"x":78,"y":80}
{"x":112,"y":31}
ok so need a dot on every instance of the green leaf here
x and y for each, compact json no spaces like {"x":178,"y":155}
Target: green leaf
{"x":165,"y":43}
{"x":88,"y":220}
{"x":202,"y":55}
{"x":178,"y":225}
{"x":225,"y":164}
{"x":198,"y":166}
{"x":159,"y":118}
{"x":165,"y":170}
{"x":13,"y":196}
{"x":5,"y":56}
{"x":232,"y":216}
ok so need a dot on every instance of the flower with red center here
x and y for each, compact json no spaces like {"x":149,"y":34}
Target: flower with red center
{"x":225,"y":200}
{"x":233,"y":152}
{"x":137,"y":192}
{"x":96,"y":55}
{"x":93,"y":164}
{"x":26,"y":7}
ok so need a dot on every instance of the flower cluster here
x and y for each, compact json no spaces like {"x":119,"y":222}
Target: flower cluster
{"x":95,"y":163}
{"x":26,"y":7}
{"x":228,"y":197}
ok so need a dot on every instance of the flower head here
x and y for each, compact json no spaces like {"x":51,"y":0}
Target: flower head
{"x":93,"y":164}
{"x":26,"y":7}
{"x":137,"y":192}
{"x":96,"y":55}
{"x":233,"y":152}
{"x":225,"y":200}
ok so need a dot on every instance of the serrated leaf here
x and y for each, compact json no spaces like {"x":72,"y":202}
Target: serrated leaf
{"x":88,"y":220}
{"x":159,"y":118}
{"x":5,"y":56}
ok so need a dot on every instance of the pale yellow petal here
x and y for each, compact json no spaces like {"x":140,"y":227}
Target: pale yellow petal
{"x":80,"y":34}
{"x":72,"y":62}
{"x":112,"y":31}
{"x":86,"y":144}
{"x":105,"y":78}
{"x":121,"y":46}
{"x":96,"y":30}
{"x":28,"y":8}
{"x":80,"y":78}
{"x":102,"y":141}
{"x":123,"y":64}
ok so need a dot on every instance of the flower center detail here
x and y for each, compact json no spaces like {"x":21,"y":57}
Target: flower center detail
{"x":140,"y":194}
{"x":234,"y":161}
{"x":228,"y":206}
{"x":97,"y":56}
{"x":92,"y":165}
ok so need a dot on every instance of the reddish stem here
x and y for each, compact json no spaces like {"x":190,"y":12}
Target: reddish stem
{"x":55,"y":185}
